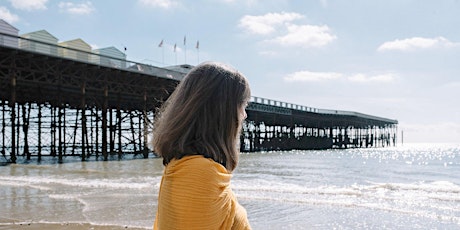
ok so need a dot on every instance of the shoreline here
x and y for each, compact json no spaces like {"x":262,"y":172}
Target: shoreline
{"x":53,"y":160}
{"x":68,"y":226}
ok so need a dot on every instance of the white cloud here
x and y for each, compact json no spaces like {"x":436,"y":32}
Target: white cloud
{"x":247,"y":2}
{"x":74,"y":8}
{"x":305,"y":36}
{"x":6,"y":15}
{"x":267,"y":23}
{"x":279,"y":28}
{"x":308,"y":76}
{"x":268,"y":53}
{"x":372,"y":78}
{"x":166,"y":4}
{"x":416,"y":43}
{"x":312,"y":76}
{"x":29,"y":4}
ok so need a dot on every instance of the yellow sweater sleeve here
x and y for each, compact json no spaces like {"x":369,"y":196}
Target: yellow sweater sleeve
{"x":195,"y":193}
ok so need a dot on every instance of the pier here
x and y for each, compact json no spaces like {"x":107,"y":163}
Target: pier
{"x":58,"y":101}
{"x":276,"y":125}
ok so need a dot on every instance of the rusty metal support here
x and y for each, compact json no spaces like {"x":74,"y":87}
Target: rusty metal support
{"x":111,"y":132}
{"x":83,"y":121}
{"x":145,"y":127}
{"x":96,"y":144}
{"x":39,"y":142}
{"x":133,"y":133}
{"x":53,"y":131}
{"x":12,"y":103}
{"x":3,"y":130}
{"x":104,"y":124}
{"x":60,"y":114}
{"x":25,"y":129}
{"x":119,"y":127}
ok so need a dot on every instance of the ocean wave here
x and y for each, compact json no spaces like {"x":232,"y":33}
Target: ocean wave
{"x":353,"y":189}
{"x":435,"y":186}
{"x":437,"y":199}
{"x":38,"y":182}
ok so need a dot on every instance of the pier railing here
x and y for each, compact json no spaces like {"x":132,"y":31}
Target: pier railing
{"x":356,"y":114}
{"x":281,"y":104}
{"x":285,"y":107}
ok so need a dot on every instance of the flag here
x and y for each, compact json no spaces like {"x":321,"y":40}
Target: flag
{"x":197,"y":44}
{"x":161,"y":43}
{"x":174,"y":47}
{"x":185,"y":40}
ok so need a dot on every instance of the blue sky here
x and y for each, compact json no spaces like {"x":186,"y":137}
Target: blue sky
{"x":397,"y":59}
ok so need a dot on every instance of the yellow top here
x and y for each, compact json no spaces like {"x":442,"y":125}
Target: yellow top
{"x":195,"y":193}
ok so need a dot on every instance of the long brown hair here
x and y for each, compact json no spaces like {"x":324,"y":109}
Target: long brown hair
{"x":201,"y":117}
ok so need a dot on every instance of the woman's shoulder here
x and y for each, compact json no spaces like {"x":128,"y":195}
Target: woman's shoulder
{"x":203,"y":172}
{"x":194,"y":159}
{"x":196,"y":162}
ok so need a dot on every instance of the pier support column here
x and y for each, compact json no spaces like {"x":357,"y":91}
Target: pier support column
{"x":96,"y":118}
{"x":257,"y":138}
{"x":395,"y":131}
{"x":83,"y":121}
{"x":104,"y":124}
{"x":60,"y":114}
{"x":139,"y":131}
{"x":60,"y":153}
{"x":12,"y":104}
{"x":133,"y":133}
{"x":39,"y":132}
{"x":3,"y":130}
{"x":64,"y":128}
{"x":53,"y":131}
{"x":119,"y":126}
{"x":146,"y":126}
{"x":111,"y":132}
{"x":25,"y":129}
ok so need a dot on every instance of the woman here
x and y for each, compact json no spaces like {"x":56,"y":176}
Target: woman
{"x":197,"y":133}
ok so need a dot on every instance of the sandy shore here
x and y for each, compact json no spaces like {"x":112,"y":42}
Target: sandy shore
{"x":65,"y":226}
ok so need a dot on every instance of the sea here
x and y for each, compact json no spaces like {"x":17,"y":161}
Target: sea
{"x":411,"y":186}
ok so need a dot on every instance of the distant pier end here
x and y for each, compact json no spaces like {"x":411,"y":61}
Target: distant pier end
{"x":275,"y":125}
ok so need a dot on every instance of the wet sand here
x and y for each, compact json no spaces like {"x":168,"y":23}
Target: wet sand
{"x":59,"y":226}
{"x":80,"y":195}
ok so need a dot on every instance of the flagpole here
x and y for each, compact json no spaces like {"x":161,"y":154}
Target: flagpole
{"x":162,"y":51}
{"x":124,"y":48}
{"x":175,"y":53}
{"x":198,"y":51}
{"x":185,"y":49}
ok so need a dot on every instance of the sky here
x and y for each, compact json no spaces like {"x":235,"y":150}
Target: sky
{"x":398,"y":59}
